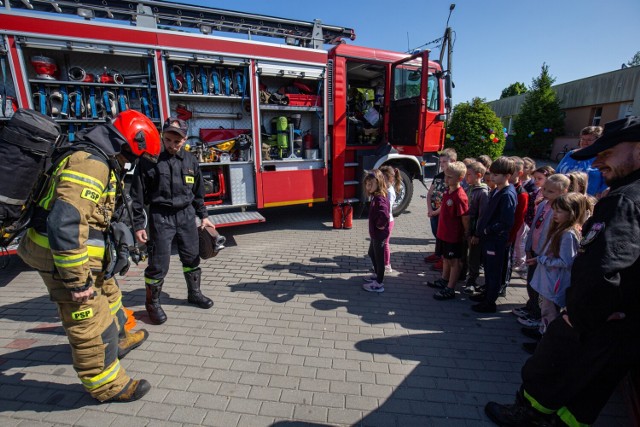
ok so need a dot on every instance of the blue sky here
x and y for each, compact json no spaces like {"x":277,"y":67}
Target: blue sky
{"x":498,"y":42}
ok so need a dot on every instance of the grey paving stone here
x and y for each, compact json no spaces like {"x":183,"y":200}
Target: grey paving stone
{"x":291,"y":337}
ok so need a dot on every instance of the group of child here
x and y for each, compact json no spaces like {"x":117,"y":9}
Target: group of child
{"x":506,"y":215}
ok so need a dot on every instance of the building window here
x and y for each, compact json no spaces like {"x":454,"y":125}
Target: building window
{"x":596,"y":114}
{"x":626,"y":110}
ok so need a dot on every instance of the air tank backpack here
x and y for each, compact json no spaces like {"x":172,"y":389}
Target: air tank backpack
{"x":27,"y":142}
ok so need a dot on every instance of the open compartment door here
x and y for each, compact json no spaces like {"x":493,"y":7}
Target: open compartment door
{"x":408,"y":105}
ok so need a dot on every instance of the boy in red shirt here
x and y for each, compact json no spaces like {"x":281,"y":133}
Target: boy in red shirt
{"x":453,"y":228}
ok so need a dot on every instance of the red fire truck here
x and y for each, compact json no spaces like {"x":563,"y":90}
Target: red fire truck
{"x":272,"y":123}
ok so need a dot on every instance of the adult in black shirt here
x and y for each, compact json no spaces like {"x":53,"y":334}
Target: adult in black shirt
{"x":174,"y":190}
{"x":587,"y":351}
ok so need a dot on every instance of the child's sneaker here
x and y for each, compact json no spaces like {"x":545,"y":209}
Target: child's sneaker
{"x":520,"y":268}
{"x":444,"y":294}
{"x":529,"y":322}
{"x":373,"y":287}
{"x":388,"y":269}
{"x":520,"y":311}
{"x":438,"y":283}
{"x":470,"y":287}
{"x":370,"y":278}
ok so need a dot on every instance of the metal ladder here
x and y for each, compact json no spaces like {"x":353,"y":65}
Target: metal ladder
{"x":154,"y":13}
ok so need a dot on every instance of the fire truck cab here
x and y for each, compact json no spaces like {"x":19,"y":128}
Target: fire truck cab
{"x":272,"y":124}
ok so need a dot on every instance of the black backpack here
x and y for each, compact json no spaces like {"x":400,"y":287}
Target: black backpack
{"x":27,"y":143}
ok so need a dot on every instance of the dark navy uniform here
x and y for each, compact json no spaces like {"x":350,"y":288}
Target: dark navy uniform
{"x":174,"y":191}
{"x":576,"y":369}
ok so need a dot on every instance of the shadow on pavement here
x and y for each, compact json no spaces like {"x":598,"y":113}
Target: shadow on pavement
{"x":20,"y":394}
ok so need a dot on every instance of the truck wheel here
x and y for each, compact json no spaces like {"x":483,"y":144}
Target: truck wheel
{"x":403,"y":197}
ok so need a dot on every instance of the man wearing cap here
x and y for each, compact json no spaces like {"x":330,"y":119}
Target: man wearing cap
{"x":585,"y":353}
{"x":174,"y":191}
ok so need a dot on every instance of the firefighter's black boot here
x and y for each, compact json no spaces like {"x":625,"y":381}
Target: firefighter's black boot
{"x":152,"y":304}
{"x":193,"y":285}
{"x":520,"y":414}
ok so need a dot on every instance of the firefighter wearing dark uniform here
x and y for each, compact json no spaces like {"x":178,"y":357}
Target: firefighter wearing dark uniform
{"x":66,"y":244}
{"x":585,"y":353}
{"x":174,"y":191}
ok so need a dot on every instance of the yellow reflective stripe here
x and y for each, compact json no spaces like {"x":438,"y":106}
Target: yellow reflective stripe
{"x":47,"y":199}
{"x":536,"y":405}
{"x":115,"y":306}
{"x":43,"y":241}
{"x":95,"y":251}
{"x":151,"y":281}
{"x":105,"y":377}
{"x":67,"y":261}
{"x":569,"y":419}
{"x":37,"y":238}
{"x":82,"y":179}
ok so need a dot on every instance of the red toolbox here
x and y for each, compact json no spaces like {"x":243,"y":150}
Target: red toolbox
{"x":212,"y":135}
{"x":301,"y":100}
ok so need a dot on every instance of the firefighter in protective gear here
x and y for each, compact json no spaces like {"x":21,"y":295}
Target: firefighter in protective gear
{"x":174,"y":190}
{"x":66,"y":244}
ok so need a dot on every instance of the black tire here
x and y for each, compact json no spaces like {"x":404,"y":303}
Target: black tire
{"x":403,"y":197}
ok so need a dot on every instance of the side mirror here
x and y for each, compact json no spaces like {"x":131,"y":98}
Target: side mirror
{"x":448,"y":86}
{"x":441,"y":118}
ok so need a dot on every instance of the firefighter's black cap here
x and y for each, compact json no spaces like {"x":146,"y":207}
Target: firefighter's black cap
{"x":623,"y":130}
{"x":173,"y":124}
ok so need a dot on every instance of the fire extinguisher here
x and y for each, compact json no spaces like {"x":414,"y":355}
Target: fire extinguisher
{"x":337,"y":216}
{"x":347,"y":216}
{"x":307,"y":141}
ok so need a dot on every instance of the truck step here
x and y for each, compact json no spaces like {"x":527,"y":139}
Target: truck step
{"x":351,"y":182}
{"x":236,"y":218}
{"x":352,"y":200}
{"x":351,"y":165}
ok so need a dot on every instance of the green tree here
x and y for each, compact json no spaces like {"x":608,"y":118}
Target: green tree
{"x":635,"y":60}
{"x":540,"y":119}
{"x":514,"y":89}
{"x":470,"y":130}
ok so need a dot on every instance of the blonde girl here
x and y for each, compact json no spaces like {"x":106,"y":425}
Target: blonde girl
{"x":393,"y":180}
{"x":376,"y":188}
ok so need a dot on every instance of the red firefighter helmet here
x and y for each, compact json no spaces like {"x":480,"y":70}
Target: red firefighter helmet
{"x":140,"y":132}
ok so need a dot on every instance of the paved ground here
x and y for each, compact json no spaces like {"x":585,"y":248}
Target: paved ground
{"x":291,"y":340}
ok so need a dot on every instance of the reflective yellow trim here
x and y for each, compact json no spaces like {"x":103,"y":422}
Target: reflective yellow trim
{"x":115,"y":306}
{"x":66,"y":261}
{"x":149,"y":281}
{"x":37,"y":238}
{"x":189,"y":179}
{"x":569,"y":419}
{"x":82,"y":314}
{"x":82,"y":177}
{"x":43,"y":241}
{"x":105,"y":377}
{"x":536,"y":405}
{"x":47,"y":199}
{"x":81,"y":182}
{"x":294,"y":202}
{"x":95,"y":251}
